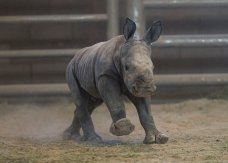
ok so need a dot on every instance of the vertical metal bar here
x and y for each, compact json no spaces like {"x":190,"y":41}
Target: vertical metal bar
{"x":135,"y":12}
{"x":113,"y":18}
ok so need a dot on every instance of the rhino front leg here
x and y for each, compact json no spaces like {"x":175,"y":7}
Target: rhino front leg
{"x":146,"y":119}
{"x":111,"y":94}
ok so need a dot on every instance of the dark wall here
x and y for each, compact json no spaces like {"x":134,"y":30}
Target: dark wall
{"x":195,"y":20}
{"x":15,"y":36}
{"x":191,"y":21}
{"x":50,"y":35}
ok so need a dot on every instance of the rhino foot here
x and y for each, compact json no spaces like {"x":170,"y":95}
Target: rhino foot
{"x":68,"y":135}
{"x":122,"y":127}
{"x":161,"y":138}
{"x":149,"y":140}
{"x":92,"y":138}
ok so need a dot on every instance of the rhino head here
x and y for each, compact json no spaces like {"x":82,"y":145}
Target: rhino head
{"x":135,"y":59}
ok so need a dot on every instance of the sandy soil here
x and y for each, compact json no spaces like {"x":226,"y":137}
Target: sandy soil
{"x":31,"y":132}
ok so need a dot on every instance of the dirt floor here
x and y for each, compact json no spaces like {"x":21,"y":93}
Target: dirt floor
{"x":31,"y":132}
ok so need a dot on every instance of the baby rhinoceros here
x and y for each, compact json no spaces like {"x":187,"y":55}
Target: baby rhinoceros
{"x":105,"y":72}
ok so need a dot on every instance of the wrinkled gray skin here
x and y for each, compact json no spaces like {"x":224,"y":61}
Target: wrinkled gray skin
{"x":105,"y":72}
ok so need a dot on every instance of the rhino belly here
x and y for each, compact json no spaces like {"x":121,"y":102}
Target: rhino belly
{"x":90,"y":88}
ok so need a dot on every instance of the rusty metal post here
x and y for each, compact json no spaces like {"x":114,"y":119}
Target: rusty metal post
{"x":113,"y":18}
{"x":135,"y":11}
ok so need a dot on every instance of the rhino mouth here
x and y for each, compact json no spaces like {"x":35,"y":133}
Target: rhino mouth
{"x":143,"y":91}
{"x":145,"y":88}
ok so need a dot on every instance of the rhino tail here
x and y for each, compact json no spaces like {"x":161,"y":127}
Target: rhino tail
{"x":70,"y":78}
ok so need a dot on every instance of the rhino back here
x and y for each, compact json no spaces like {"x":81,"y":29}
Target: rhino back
{"x":93,"y":62}
{"x":105,"y":65}
{"x":84,"y":62}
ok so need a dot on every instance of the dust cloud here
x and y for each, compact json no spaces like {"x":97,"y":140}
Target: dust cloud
{"x":45,"y":121}
{"x":35,"y":121}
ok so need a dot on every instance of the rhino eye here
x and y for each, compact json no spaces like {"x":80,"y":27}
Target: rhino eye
{"x":126,"y":67}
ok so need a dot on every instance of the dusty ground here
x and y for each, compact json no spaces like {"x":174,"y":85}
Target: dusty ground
{"x":198,"y":131}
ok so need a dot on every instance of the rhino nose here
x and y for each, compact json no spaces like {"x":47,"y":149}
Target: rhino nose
{"x":134,"y":88}
{"x":154,"y":87}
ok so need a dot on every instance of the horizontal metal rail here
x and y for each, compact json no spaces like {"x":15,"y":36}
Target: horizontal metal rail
{"x":53,"y":18}
{"x":33,"y":90}
{"x":192,"y":40}
{"x":161,"y":80}
{"x":164,"y":41}
{"x":37,"y":53}
{"x":192,"y":79}
{"x":184,"y":3}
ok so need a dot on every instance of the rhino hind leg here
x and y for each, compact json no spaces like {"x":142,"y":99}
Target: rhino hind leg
{"x":85,"y":120}
{"x":93,"y":136}
{"x":73,"y":132}
{"x":68,"y":134}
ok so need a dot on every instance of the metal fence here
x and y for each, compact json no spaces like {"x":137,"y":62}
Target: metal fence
{"x":135,"y":11}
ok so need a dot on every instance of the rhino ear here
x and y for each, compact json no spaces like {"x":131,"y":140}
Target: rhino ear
{"x":129,"y":29}
{"x":153,"y":32}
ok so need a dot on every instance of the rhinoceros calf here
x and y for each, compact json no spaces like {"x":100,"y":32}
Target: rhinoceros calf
{"x":105,"y":72}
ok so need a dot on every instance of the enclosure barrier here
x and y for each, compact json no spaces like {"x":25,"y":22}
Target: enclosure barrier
{"x":211,"y":40}
{"x":184,"y":3}
{"x":164,"y":42}
{"x":113,"y":18}
{"x":21,"y":90}
{"x":37,"y":53}
{"x":161,"y":80}
{"x":135,"y":11}
{"x":53,"y":18}
{"x":112,"y":21}
{"x":192,"y":79}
